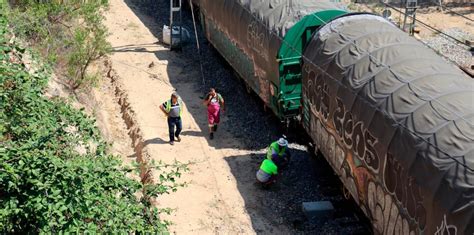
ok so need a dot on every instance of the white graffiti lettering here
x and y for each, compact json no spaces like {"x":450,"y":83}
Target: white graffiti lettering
{"x":445,"y":229}
{"x":256,"y":39}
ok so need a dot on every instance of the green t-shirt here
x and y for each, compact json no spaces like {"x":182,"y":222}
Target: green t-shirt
{"x":269,"y":167}
{"x":216,"y":100}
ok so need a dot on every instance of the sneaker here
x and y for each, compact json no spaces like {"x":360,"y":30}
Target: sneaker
{"x":172,"y":142}
{"x":211,"y":136}
{"x":178,"y":139}
{"x":214,"y":128}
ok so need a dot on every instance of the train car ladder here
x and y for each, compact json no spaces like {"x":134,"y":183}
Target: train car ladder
{"x":410,"y":11}
{"x":176,"y":38}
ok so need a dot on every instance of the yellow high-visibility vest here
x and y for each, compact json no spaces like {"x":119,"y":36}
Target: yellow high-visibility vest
{"x":168,"y":106}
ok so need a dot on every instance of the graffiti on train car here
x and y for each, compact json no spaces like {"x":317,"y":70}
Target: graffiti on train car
{"x":356,"y":136}
{"x":446,"y":228}
{"x":379,"y":184}
{"x":369,"y":194}
{"x":320,"y":98}
{"x":387,"y":217}
{"x":256,"y":38}
{"x":402,"y":187}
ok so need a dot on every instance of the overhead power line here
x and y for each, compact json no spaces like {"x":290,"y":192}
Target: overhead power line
{"x":428,"y":26}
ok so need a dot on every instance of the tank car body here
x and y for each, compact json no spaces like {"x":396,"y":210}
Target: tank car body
{"x":395,"y":121}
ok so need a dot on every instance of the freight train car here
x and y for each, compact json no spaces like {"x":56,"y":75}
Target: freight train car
{"x":396,"y":123}
{"x":263,"y":41}
{"x":394,"y":120}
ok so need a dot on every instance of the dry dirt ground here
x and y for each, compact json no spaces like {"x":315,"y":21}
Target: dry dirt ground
{"x":100,"y":103}
{"x":446,"y":19}
{"x":434,"y":16}
{"x":211,"y":203}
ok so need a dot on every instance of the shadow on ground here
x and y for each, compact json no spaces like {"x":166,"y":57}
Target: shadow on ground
{"x":156,"y":140}
{"x":306,"y":179}
{"x":245,"y":118}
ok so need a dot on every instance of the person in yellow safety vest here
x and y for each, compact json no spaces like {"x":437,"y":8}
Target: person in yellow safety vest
{"x":267,"y":172}
{"x":278,"y":152}
{"x":173,"y":108}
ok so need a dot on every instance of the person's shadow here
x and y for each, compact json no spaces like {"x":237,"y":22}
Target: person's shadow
{"x":156,"y":140}
{"x":159,"y":140}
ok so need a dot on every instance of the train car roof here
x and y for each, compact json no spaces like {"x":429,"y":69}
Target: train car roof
{"x":281,"y":15}
{"x":278,"y":15}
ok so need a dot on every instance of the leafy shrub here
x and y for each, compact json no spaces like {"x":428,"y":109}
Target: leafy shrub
{"x":67,"y":33}
{"x":55,"y":174}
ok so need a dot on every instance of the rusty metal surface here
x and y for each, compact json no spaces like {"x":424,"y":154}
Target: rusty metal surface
{"x":256,"y":27}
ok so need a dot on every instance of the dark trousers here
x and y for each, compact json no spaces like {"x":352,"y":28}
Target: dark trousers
{"x":174,"y":121}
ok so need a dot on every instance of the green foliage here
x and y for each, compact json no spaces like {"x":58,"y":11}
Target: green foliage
{"x":47,"y":183}
{"x":67,"y":33}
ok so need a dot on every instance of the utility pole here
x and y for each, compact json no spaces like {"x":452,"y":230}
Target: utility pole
{"x":176,"y":38}
{"x":410,"y":11}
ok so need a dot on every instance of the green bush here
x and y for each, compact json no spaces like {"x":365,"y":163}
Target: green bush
{"x":55,"y":174}
{"x":70,"y":34}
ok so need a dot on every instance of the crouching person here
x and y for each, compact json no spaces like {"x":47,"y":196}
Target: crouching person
{"x":279,"y":153}
{"x":267,"y":173}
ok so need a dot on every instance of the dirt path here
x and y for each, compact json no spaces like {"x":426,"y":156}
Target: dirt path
{"x":212,"y":203}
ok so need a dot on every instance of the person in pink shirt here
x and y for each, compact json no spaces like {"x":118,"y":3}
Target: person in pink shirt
{"x":214,"y":103}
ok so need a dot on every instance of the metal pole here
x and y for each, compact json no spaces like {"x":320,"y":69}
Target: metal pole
{"x":197,"y":43}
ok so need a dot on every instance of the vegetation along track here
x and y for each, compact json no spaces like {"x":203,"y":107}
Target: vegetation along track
{"x":56,"y":172}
